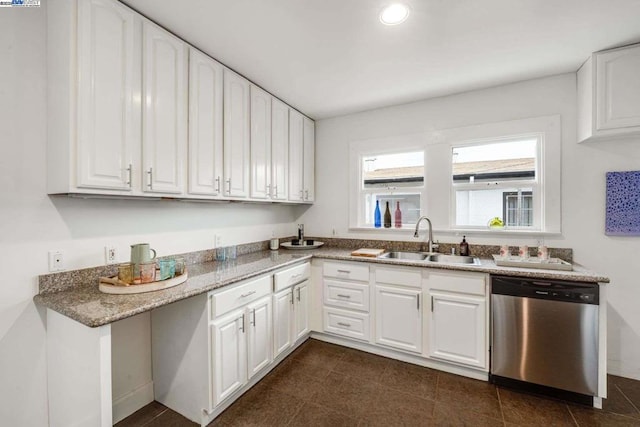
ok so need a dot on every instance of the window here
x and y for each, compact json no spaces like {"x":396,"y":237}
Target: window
{"x":393,"y":176}
{"x":496,"y":179}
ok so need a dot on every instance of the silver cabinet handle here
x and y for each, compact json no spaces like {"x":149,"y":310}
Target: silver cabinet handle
{"x":129,"y":175}
{"x":432,"y":304}
{"x":298,"y":294}
{"x":306,"y":194}
{"x":247,"y":294}
{"x":150,"y":175}
{"x":344,"y":296}
{"x":218,"y":185}
{"x":253,"y":322}
{"x":291,"y":296}
{"x":346,"y":325}
{"x":296,"y":276}
{"x":242,"y":327}
{"x":344,"y":271}
{"x":229,"y":185}
{"x":418,"y":301}
{"x":301,"y":198}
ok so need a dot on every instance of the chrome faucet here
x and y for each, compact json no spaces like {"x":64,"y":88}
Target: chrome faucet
{"x":301,"y":233}
{"x":430,"y":241}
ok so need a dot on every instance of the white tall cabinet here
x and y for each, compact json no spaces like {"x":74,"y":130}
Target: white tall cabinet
{"x":260,"y":144}
{"x":279,"y":150}
{"x":237,"y":135}
{"x":164,"y":113}
{"x":301,"y":157}
{"x":205,"y":124}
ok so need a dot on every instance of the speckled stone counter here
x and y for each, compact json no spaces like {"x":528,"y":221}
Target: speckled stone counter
{"x":87,"y":305}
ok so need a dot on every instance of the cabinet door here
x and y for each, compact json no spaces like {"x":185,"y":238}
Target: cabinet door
{"x":205,"y":124}
{"x":108,"y":86}
{"x":259,"y":335}
{"x":301,"y":295}
{"x":296,"y":192}
{"x":282,"y":320}
{"x":279,"y":150}
{"x":457,"y":329}
{"x":399,"y":318}
{"x":236,"y":135}
{"x":308,"y":164}
{"x":618,"y":88}
{"x":260,"y":143}
{"x":164,"y":119}
{"x":229,"y":351}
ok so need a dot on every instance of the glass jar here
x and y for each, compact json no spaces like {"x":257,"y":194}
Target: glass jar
{"x":147,"y":272}
{"x":167,"y":268}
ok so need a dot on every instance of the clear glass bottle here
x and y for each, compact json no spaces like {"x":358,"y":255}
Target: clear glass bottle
{"x":398,"y":216}
{"x":376,"y":215}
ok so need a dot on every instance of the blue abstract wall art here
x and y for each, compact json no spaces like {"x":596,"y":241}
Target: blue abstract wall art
{"x":623,"y":204}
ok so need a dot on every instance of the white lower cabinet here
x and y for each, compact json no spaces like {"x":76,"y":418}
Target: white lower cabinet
{"x":399,"y":318}
{"x":290,"y":316}
{"x":458,"y":318}
{"x":229,"y":346}
{"x":301,"y":310}
{"x":258,"y":333}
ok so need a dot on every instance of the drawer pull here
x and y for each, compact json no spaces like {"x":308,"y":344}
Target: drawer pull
{"x":344,"y":296}
{"x":346,"y":325}
{"x":247,"y":294}
{"x":296,"y":276}
{"x":344,"y":271}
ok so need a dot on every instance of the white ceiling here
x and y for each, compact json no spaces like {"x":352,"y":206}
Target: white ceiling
{"x":333,"y":57}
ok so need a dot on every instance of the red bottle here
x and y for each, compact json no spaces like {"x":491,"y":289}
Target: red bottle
{"x":398,"y":216}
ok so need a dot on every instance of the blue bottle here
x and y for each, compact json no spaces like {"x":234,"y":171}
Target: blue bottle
{"x":377,"y":217}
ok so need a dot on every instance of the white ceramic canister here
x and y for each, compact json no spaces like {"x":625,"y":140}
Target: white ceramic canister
{"x":274,"y":244}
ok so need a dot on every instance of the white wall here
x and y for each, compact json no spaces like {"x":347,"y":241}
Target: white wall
{"x":31,"y":223}
{"x":583,"y":186}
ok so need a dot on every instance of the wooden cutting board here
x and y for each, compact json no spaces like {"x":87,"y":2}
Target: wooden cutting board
{"x":366,"y":252}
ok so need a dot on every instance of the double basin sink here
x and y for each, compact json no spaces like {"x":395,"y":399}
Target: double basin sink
{"x":428,"y":257}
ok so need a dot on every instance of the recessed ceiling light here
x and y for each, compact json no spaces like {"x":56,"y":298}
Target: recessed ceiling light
{"x":394,"y":14}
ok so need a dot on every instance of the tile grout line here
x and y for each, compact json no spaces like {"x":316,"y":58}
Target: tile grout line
{"x":504,"y":420}
{"x":573,"y":417}
{"x":627,"y":398}
{"x":151,"y":420}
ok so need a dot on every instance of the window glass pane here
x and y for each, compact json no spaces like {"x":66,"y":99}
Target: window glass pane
{"x":478,"y":207}
{"x":498,"y":161}
{"x":409,"y":207}
{"x":393,"y":170}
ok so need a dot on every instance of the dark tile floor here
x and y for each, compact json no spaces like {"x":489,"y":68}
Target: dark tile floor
{"x":322,"y":384}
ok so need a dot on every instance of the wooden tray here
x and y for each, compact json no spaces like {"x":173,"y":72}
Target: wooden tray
{"x":110,"y":288}
{"x":533,"y":262}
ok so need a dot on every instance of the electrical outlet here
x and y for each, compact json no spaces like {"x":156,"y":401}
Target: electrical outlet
{"x":56,"y":260}
{"x":110,"y":255}
{"x":217,"y":241}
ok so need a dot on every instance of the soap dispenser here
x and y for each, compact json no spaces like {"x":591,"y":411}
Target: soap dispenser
{"x":464,"y":247}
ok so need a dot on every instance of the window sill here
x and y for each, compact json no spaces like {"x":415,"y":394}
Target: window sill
{"x":460,"y":231}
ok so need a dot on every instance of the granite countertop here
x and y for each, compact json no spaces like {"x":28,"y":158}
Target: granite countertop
{"x":87,"y":305}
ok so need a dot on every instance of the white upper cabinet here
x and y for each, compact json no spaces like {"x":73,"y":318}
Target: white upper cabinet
{"x":609,"y":94}
{"x":279,"y":150}
{"x":205,"y":124}
{"x":309,"y":146}
{"x":108,"y":82}
{"x":236,"y":135}
{"x":164,"y":118}
{"x":296,"y":157}
{"x":260,"y":144}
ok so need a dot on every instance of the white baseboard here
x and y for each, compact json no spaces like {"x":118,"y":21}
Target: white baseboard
{"x":131,"y":402}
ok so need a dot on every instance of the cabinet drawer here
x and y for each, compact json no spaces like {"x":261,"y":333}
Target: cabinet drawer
{"x":348,"y":295}
{"x":291,"y":276}
{"x":349,"y":271}
{"x":467,"y":283}
{"x":399,"y":276}
{"x":239,"y":295}
{"x":346,"y":323}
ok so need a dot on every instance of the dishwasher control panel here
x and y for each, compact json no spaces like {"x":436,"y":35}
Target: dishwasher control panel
{"x":576,"y":292}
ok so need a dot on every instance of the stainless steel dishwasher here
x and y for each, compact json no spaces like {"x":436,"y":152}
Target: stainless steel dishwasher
{"x":545,"y":334}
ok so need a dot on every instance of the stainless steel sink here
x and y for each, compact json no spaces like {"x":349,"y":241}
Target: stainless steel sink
{"x":413,"y":256}
{"x":427,"y":257}
{"x":453,"y":259}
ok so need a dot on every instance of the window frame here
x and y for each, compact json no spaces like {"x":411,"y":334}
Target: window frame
{"x":504,"y":184}
{"x":378,"y":147}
